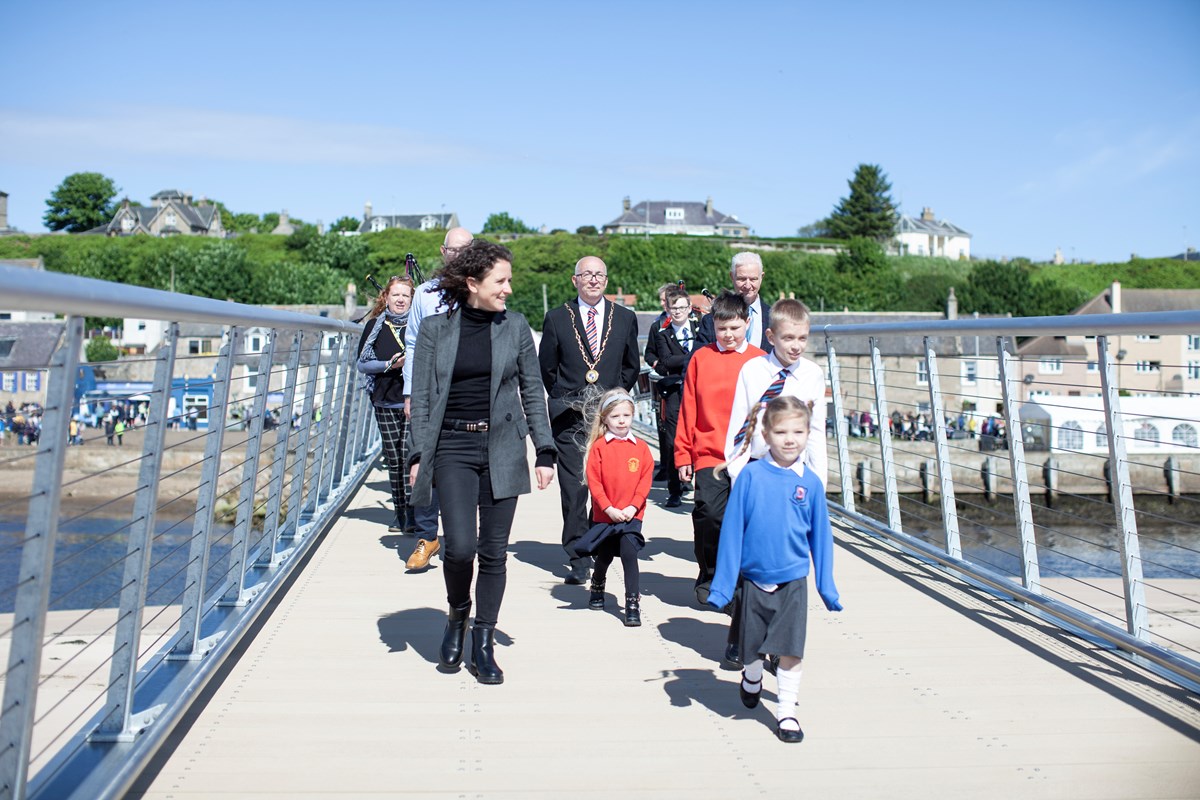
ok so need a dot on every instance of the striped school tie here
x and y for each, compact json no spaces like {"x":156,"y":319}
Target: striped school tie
{"x":592,"y":334}
{"x":773,"y":391}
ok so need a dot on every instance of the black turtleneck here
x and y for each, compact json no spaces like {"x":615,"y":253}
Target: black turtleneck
{"x":471,"y":383}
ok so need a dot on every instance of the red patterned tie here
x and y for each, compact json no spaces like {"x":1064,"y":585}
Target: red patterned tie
{"x":773,"y":391}
{"x":593,"y":336}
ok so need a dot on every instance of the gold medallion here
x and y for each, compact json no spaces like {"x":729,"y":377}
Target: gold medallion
{"x":591,"y":376}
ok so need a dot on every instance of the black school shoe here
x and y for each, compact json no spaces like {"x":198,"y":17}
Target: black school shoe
{"x":674,"y":501}
{"x":733,"y":657}
{"x":749,"y":699}
{"x":789,"y":736}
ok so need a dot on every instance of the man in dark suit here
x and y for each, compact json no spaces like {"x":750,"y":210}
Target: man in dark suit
{"x":674,"y":344}
{"x":747,"y":274}
{"x":651,"y":357}
{"x":588,"y":345}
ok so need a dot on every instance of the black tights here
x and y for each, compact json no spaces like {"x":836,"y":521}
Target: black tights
{"x":625,"y":545}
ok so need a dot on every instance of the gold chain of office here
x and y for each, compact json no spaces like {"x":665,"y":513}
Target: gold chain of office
{"x":592,"y":375}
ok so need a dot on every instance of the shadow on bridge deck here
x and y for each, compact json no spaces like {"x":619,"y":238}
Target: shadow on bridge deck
{"x":923,"y":687}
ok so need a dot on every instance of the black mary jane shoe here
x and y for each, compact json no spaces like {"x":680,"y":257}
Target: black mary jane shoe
{"x":749,"y":699}
{"x":789,"y":736}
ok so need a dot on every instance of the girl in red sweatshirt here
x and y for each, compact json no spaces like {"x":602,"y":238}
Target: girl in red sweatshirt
{"x":619,"y":471}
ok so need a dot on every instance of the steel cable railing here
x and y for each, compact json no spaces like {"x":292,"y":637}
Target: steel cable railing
{"x":122,"y":576}
{"x":1001,"y":459}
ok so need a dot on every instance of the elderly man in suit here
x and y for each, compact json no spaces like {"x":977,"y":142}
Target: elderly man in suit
{"x":747,"y":274}
{"x":589,"y":345}
{"x":674,"y":344}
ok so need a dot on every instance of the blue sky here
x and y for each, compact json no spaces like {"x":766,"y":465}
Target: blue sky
{"x":1032,"y":125}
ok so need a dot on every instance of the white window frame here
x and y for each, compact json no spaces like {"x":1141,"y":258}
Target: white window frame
{"x":922,"y":372}
{"x":970,"y":373}
{"x":1050,"y":366}
{"x":1147,"y":367}
{"x":1185,"y":434}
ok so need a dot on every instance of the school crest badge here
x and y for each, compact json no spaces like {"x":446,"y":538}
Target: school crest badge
{"x":634,"y":464}
{"x":799,"y":495}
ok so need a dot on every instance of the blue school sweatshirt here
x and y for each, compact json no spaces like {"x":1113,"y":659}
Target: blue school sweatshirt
{"x":776,"y":520}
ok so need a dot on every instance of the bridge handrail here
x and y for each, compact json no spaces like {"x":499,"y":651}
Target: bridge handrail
{"x":308,"y":468}
{"x":920,"y":383}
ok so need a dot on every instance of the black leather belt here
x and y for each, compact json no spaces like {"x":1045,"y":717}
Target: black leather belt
{"x":470,"y":425}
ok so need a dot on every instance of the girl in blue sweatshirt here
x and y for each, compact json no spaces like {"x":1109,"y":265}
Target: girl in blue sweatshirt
{"x":776,"y":521}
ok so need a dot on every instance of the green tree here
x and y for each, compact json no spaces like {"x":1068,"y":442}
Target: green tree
{"x":503,"y":222}
{"x":84,"y":200}
{"x":586,"y":230}
{"x":348,"y":224}
{"x":868,"y":282}
{"x":998,"y":288}
{"x":868,"y":210}
{"x":102,"y":349}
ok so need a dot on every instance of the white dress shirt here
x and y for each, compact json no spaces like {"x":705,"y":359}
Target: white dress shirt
{"x":806,"y":382}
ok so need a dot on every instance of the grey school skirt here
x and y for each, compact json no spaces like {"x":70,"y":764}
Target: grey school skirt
{"x":775,"y":622}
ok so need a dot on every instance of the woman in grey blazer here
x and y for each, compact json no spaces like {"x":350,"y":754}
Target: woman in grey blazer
{"x":477,"y":393}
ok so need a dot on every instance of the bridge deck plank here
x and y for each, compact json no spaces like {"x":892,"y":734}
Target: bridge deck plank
{"x":922,"y":687}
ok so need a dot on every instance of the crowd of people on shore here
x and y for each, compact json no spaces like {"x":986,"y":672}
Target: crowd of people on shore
{"x":457,"y":385}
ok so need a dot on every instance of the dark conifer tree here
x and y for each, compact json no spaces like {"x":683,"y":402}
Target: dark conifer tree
{"x":869,"y":210}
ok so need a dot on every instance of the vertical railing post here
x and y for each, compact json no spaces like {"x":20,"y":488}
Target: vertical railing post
{"x":324,"y":379}
{"x":1031,"y":574}
{"x":322,"y":470}
{"x":37,"y":562}
{"x":279,"y":463}
{"x":941,"y":444}
{"x":890,"y":491}
{"x":188,"y":644}
{"x":298,"y":500}
{"x":1122,"y":498}
{"x":119,"y":723}
{"x":239,"y":548}
{"x":332,"y":449}
{"x":840,"y":436}
{"x":350,"y":437}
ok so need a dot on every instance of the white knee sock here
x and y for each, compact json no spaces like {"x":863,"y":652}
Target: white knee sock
{"x":789,"y":690}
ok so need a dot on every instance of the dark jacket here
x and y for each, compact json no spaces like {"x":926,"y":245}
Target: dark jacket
{"x":651,"y":351}
{"x":673,"y":359}
{"x":518,"y":406}
{"x":563,"y":367}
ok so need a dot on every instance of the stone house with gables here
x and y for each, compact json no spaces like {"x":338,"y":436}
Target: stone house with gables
{"x":172,"y":214}
{"x":690,"y":218}
{"x":374,"y":223}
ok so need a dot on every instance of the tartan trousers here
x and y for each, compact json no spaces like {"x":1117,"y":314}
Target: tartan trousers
{"x":393,"y":428}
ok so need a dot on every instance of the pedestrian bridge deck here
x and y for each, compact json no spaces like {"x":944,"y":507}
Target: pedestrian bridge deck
{"x":923,"y":687}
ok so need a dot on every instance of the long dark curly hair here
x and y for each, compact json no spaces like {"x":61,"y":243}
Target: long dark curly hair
{"x":475,"y":261}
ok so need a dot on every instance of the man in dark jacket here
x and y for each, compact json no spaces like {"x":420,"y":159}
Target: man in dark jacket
{"x":675,"y":343}
{"x":746,"y":272}
{"x":589,"y":345}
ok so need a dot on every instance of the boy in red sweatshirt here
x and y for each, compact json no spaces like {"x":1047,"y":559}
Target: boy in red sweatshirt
{"x":708,"y":391}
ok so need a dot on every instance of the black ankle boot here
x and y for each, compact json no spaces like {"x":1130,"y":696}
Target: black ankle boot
{"x":596,"y":601}
{"x":483,"y":656}
{"x":633,"y":611}
{"x":451,"y":653}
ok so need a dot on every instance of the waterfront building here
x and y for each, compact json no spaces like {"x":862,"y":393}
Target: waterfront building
{"x":928,"y":236}
{"x":374,"y":223}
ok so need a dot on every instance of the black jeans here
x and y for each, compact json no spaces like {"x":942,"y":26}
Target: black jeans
{"x":473,"y":524}
{"x":570,"y":437}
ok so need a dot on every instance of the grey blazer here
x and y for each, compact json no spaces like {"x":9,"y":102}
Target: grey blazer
{"x":518,"y":402}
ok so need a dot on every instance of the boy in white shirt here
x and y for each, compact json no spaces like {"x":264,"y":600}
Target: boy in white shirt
{"x":781,"y":372}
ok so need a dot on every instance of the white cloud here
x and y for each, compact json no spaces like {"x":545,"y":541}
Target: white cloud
{"x":196,"y":134}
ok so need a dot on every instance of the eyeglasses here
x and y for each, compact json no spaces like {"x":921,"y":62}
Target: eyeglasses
{"x":688,"y":307}
{"x":592,"y":276}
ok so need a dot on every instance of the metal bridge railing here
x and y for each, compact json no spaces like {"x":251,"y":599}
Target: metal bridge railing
{"x":132,"y":562}
{"x":1036,"y":457}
